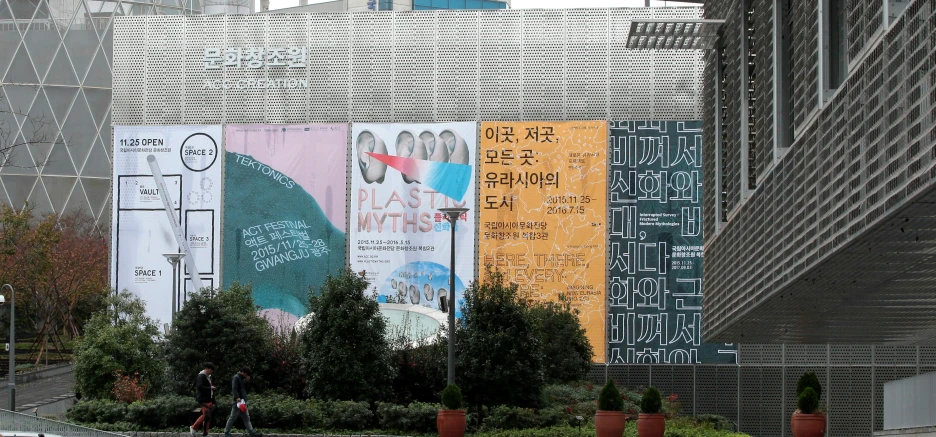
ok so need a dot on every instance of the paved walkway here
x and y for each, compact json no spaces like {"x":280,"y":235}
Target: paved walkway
{"x":37,"y":391}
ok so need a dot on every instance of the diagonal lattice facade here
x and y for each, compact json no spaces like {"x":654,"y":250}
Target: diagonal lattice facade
{"x":55,"y":94}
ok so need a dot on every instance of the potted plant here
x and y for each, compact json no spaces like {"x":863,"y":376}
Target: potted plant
{"x":610,"y":419}
{"x":451,"y":420}
{"x":808,"y":420}
{"x":651,"y":422}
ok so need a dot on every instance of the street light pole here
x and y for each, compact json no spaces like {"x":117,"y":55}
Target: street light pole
{"x":452,"y":215}
{"x":173,"y":259}
{"x":11,"y":386}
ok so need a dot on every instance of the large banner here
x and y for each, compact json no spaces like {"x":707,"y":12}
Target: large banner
{"x":401,"y":175}
{"x":284,"y":212}
{"x":167,"y":200}
{"x":656,"y":245}
{"x":543,"y":212}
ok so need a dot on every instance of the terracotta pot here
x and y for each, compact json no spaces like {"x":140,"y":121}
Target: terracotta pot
{"x":808,"y":425}
{"x":651,"y":425}
{"x":610,"y":423}
{"x":451,"y":423}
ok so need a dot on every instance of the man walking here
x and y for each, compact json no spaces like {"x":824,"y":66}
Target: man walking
{"x":239,"y":409}
{"x":204,"y":395}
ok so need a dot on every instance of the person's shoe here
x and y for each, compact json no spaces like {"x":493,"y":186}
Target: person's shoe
{"x":227,"y":434}
{"x":192,"y":430}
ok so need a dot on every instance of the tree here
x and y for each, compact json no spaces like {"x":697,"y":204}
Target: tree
{"x":37,"y":129}
{"x":499,"y":351}
{"x":284,"y":371}
{"x":346,"y":352}
{"x":58,"y":266}
{"x":567,"y":353}
{"x":223,"y":327}
{"x":118,"y":338}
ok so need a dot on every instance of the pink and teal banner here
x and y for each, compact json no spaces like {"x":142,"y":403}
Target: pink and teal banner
{"x":284,"y":212}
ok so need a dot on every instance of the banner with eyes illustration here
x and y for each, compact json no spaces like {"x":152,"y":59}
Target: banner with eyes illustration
{"x":401,"y":175}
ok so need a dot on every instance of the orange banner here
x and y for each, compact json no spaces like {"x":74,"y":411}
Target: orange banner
{"x":543,"y":213}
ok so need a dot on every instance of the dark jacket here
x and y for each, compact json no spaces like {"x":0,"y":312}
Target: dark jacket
{"x":238,"y":387}
{"x":203,"y":388}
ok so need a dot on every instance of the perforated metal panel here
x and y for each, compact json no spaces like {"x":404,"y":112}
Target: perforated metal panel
{"x":849,"y":398}
{"x":838,"y":237}
{"x":409,"y":67}
{"x":762,"y":400}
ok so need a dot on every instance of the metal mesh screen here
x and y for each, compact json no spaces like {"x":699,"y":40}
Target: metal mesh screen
{"x":846,"y":206}
{"x":408,"y":67}
{"x":759,"y":394}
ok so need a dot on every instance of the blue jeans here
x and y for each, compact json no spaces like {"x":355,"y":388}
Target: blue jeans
{"x":245,"y":417}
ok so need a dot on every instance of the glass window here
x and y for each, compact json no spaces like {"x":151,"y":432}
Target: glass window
{"x":422,"y":4}
{"x":385,"y":5}
{"x":440,"y":4}
{"x":494,"y":5}
{"x":473,"y":4}
{"x":456,"y":4}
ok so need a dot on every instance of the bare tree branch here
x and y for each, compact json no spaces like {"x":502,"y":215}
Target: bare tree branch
{"x":35,"y":130}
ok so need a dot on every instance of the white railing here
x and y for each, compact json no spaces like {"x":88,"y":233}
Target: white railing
{"x":910,"y":402}
{"x":24,"y":425}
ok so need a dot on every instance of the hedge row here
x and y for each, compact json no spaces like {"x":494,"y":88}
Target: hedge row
{"x":285,"y":413}
{"x":271,"y":412}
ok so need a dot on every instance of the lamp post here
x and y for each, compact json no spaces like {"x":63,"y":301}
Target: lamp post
{"x":173,"y":259}
{"x":452,"y":215}
{"x":11,"y":386}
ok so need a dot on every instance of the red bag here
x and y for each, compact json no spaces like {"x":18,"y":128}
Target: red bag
{"x":242,"y":405}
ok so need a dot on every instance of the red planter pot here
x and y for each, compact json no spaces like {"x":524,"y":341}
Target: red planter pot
{"x":808,"y":425}
{"x":651,"y":425}
{"x":610,"y":423}
{"x":451,"y":423}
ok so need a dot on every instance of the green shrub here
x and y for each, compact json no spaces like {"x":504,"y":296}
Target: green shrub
{"x":223,"y":327}
{"x":452,"y":397}
{"x":576,"y":399}
{"x":97,"y":411}
{"x":278,"y":411}
{"x":557,"y":431}
{"x":416,"y":417}
{"x":808,"y":401}
{"x":507,"y":417}
{"x":610,"y":398}
{"x":809,"y":379}
{"x":162,"y":412}
{"x":651,"y":403}
{"x":567,"y":354}
{"x":347,"y":415}
{"x":111,"y":427}
{"x":119,"y":337}
{"x":501,"y":356}
{"x":567,"y":394}
{"x":346,"y":352}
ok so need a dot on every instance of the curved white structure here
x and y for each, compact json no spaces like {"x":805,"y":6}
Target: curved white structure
{"x":420,"y":325}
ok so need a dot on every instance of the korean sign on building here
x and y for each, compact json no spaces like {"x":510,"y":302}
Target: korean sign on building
{"x":655,"y":294}
{"x":543,"y":210}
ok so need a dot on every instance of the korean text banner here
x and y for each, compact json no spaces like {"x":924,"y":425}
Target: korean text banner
{"x":543,"y":212}
{"x":167,"y":200}
{"x":401,"y":175}
{"x":284,"y":212}
{"x":656,"y":245}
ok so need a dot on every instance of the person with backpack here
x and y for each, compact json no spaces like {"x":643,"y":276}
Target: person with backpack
{"x":204,"y":395}
{"x":239,"y":408}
